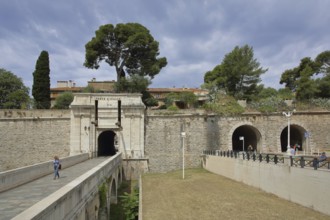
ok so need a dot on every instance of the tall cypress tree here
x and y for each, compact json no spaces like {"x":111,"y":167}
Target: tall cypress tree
{"x":41,"y":82}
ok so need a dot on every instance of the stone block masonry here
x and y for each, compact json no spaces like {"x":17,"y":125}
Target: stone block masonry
{"x":29,"y":137}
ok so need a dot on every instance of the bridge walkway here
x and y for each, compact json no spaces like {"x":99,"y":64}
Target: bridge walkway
{"x":16,"y":200}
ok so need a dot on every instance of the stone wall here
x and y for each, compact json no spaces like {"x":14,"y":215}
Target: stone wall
{"x":163,"y":145}
{"x":29,"y":137}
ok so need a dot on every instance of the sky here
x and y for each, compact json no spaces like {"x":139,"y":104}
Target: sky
{"x":194,"y":35}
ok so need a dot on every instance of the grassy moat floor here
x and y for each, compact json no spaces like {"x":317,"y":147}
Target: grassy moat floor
{"x":207,"y":196}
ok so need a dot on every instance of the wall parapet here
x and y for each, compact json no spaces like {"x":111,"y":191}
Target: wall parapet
{"x":13,"y":178}
{"x":287,"y":182}
{"x":70,"y":201}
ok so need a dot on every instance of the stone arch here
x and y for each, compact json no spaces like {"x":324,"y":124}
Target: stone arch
{"x":251,"y":135}
{"x":120,"y":175}
{"x":113,"y":192}
{"x":296,"y":137}
{"x":106,"y":143}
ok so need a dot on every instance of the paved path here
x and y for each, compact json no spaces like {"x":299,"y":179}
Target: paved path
{"x":14,"y":201}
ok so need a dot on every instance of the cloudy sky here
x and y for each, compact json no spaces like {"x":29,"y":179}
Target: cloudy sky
{"x":194,"y":35}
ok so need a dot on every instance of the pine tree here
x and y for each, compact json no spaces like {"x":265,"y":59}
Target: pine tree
{"x":41,"y":82}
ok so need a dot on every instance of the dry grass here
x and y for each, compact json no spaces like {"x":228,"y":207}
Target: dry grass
{"x":207,"y":196}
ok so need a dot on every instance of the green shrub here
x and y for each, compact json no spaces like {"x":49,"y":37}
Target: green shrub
{"x":131,"y":204}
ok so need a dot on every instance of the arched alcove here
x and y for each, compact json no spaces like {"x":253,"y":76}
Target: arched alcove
{"x":296,"y":137}
{"x":251,"y":136}
{"x":113,"y":192}
{"x":106,"y":143}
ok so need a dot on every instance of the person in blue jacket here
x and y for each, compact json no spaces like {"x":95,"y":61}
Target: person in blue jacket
{"x":56,"y":167}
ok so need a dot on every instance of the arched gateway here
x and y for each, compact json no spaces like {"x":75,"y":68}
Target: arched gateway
{"x":102,"y":123}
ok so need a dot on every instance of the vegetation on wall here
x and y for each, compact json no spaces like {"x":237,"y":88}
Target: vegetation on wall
{"x":64,"y":100}
{"x":131,"y":204}
{"x":224,"y":105}
{"x":103,"y":209}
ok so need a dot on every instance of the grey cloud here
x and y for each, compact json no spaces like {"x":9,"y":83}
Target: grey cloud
{"x":193,"y":35}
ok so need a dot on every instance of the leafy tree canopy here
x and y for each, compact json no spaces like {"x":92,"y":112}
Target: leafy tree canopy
{"x":238,"y":74}
{"x":130,"y":48}
{"x":64,"y":100}
{"x":13,"y":93}
{"x":311,"y":79}
{"x":41,"y":82}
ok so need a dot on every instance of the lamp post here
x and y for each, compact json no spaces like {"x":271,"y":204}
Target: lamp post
{"x":288,"y":115}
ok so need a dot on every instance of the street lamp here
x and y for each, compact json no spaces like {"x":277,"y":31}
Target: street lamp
{"x":288,"y":115}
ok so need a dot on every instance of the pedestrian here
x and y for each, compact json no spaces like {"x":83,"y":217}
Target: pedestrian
{"x":323,"y":157}
{"x":296,"y":148}
{"x":56,"y":167}
{"x":292,"y":151}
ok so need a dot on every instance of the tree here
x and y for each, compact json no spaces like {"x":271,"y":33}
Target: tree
{"x":306,"y":86}
{"x":130,"y":48}
{"x":323,"y":62}
{"x":291,"y":76}
{"x":64,"y":100}
{"x":13,"y":93}
{"x":311,"y":79}
{"x":238,"y":74}
{"x":132,"y":84}
{"x":41,"y":82}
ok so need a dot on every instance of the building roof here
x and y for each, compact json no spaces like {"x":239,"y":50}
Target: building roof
{"x":167,"y":90}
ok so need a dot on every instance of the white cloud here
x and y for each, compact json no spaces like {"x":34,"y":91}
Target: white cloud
{"x":193,"y":35}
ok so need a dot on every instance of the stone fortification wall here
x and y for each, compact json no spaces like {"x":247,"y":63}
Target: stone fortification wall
{"x":33,"y":136}
{"x":163,"y":145}
{"x":29,"y":137}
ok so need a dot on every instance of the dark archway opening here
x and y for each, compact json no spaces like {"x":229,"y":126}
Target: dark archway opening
{"x":106,"y":144}
{"x":250,"y":135}
{"x":296,"y":137}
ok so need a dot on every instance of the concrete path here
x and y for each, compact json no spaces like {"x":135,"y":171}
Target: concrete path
{"x":14,"y":201}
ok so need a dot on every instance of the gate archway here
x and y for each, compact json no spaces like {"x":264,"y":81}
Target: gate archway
{"x":251,"y":137}
{"x":106,"y":144}
{"x":296,"y":137}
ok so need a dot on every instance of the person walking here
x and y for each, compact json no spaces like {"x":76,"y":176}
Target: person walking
{"x":56,"y":167}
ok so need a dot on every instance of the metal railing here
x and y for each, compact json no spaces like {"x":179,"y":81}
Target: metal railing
{"x":295,"y":161}
{"x":247,"y":155}
{"x":309,"y":161}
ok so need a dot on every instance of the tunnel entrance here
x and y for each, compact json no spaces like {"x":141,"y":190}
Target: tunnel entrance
{"x":250,"y":135}
{"x":106,"y":144}
{"x":296,"y":137}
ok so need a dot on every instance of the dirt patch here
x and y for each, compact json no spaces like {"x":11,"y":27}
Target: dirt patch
{"x":207,"y":196}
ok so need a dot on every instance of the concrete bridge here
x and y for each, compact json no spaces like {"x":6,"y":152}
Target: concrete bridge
{"x":32,"y":193}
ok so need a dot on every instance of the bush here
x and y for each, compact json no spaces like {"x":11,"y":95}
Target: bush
{"x":131,"y":204}
{"x":224,"y":105}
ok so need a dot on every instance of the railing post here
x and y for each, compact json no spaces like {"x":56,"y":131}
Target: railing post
{"x":275,"y":159}
{"x":302,"y":162}
{"x":315,"y":163}
{"x":260,"y":158}
{"x":267,"y":158}
{"x":248,"y":156}
{"x":291,"y":161}
{"x":254,"y":156}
